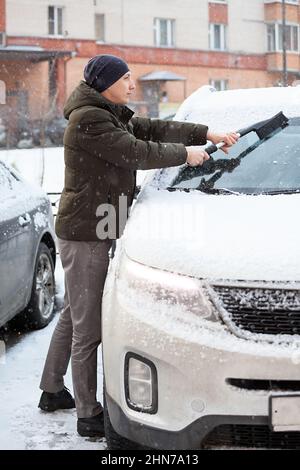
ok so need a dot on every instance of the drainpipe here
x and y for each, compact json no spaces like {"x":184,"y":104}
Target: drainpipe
{"x":284,"y":58}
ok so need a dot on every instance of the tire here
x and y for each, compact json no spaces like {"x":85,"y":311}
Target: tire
{"x":114,"y":440}
{"x":40,"y":309}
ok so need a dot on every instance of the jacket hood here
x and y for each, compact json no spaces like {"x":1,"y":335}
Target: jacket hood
{"x":84,"y":95}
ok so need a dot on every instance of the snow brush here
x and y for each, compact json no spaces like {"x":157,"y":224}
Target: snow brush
{"x":263,"y":129}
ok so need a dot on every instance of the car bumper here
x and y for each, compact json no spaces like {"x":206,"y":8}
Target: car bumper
{"x":194,"y":359}
{"x":192,"y":437}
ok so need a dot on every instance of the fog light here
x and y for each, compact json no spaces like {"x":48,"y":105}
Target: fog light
{"x":140,"y":384}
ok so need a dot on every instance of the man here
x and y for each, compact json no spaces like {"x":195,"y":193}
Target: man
{"x":104,"y":146}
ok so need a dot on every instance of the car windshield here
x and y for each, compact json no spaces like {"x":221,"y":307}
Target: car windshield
{"x":252,"y":166}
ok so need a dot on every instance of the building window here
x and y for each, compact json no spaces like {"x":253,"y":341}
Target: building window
{"x":275,"y":37}
{"x":291,"y":34}
{"x":271,"y":36}
{"x":164,"y":32}
{"x":219,"y":85}
{"x":100,"y":28}
{"x":217,"y":37}
{"x":55,"y":21}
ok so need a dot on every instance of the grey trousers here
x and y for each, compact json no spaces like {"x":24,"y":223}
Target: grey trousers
{"x":78,"y":332}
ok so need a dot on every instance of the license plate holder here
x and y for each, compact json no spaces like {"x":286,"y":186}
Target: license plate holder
{"x":284,"y":412}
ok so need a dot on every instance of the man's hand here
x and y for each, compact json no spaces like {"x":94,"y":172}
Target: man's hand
{"x":196,"y":155}
{"x":230,"y":139}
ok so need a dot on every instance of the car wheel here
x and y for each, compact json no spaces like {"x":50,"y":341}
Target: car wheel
{"x":114,"y":440}
{"x":40,"y":309}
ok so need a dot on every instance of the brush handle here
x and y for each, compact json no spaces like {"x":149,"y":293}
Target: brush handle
{"x":214,"y":147}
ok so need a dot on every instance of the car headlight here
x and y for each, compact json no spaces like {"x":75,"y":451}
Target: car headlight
{"x":189,"y":293}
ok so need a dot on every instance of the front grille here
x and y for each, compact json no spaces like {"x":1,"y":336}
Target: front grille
{"x":263,"y":311}
{"x":250,"y":436}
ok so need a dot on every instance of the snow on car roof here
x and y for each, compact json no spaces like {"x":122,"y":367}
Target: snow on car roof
{"x":231,"y":110}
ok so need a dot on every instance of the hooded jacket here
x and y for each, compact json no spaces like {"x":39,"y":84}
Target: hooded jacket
{"x":103,"y":147}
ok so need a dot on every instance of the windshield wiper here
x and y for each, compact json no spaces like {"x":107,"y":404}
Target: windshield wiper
{"x":218,"y":191}
{"x":173,"y":188}
{"x":281,"y":191}
{"x":207,"y":190}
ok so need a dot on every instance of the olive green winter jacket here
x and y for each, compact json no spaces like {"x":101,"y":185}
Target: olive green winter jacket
{"x":103,"y":147}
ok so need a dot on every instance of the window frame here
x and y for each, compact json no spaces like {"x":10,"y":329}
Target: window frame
{"x":97,"y":16}
{"x":55,"y":21}
{"x":170,"y":32}
{"x":278,"y":39}
{"x":223,"y":82}
{"x":223,"y":37}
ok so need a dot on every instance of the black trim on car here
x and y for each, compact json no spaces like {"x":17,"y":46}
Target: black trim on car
{"x":273,"y":386}
{"x":189,"y":438}
{"x":149,"y":363}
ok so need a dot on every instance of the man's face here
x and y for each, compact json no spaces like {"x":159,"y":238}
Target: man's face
{"x":121,"y":91}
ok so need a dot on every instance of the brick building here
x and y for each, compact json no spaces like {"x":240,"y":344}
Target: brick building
{"x":172,"y":47}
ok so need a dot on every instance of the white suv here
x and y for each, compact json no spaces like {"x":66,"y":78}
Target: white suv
{"x":201,"y":311}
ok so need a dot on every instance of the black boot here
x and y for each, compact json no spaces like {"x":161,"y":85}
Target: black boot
{"x":91,"y":427}
{"x":62,"y":400}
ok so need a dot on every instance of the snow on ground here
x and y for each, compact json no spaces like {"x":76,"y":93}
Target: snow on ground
{"x":23,"y":424}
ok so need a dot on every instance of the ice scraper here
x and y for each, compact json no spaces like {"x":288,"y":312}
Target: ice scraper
{"x":263,"y":129}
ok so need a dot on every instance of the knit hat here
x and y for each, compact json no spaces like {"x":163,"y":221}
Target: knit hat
{"x":102,"y":71}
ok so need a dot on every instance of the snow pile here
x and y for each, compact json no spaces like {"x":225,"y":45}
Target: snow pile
{"x":40,"y":220}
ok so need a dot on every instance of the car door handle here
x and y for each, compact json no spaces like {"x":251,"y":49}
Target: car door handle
{"x":24,"y":220}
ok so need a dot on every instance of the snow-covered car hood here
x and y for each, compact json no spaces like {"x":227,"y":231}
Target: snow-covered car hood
{"x":216,"y":237}
{"x":235,"y":109}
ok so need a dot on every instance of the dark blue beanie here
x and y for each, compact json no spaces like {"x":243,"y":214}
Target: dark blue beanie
{"x":103,"y":70}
